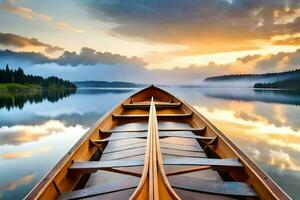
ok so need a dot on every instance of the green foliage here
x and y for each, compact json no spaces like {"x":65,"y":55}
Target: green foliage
{"x":22,"y":81}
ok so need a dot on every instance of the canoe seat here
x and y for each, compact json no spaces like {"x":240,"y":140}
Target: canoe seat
{"x":147,"y":105}
{"x":92,"y":166}
{"x":163,"y":145}
{"x":194,"y":130}
{"x":161,"y":135}
{"x":159,"y":116}
{"x":220,"y":164}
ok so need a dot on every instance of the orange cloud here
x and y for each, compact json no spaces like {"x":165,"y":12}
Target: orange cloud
{"x":28,"y":13}
{"x":24,"y":12}
{"x":67,"y":27}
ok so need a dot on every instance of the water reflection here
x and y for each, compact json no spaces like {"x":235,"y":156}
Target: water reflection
{"x":34,"y":138}
{"x":264,"y":124}
{"x":291,"y":97}
{"x":10,"y":100}
{"x":10,"y":186}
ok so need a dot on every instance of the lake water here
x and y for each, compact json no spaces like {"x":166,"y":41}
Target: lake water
{"x":36,"y":130}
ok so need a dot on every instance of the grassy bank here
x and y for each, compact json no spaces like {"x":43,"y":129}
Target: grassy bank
{"x":19,"y":87}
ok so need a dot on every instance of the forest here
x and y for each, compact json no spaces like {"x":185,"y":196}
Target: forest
{"x":18,"y":78}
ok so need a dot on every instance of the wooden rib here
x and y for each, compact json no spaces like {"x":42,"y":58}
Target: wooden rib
{"x":189,"y":170}
{"x":197,"y":130}
{"x":120,"y":171}
{"x":166,"y":116}
{"x":147,"y":105}
{"x":142,"y":186}
{"x":154,"y":183}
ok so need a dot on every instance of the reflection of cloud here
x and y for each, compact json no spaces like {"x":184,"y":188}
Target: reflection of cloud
{"x":24,"y":154}
{"x":283,"y":160}
{"x":14,"y":184}
{"x":19,"y":134}
{"x":260,"y":129}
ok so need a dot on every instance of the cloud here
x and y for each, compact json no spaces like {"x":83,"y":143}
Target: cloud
{"x":86,"y":56}
{"x":10,"y":39}
{"x":232,"y":25}
{"x":93,"y":65}
{"x":290,"y":41}
{"x":67,"y":27}
{"x":28,"y":13}
{"x":25,"y":12}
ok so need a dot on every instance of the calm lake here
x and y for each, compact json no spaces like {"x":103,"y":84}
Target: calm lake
{"x":36,"y":129}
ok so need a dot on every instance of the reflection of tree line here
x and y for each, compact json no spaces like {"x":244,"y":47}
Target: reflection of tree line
{"x":18,"y":99}
{"x":290,"y":97}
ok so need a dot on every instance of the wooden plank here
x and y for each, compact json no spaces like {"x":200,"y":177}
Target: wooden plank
{"x":238,"y":189}
{"x":141,"y":151}
{"x":159,"y":116}
{"x":163,"y":146}
{"x":144,"y":135}
{"x":114,"y":186}
{"x":147,"y":105}
{"x":92,"y":166}
{"x":215,"y":163}
{"x":124,"y":147}
{"x":180,"y":153}
{"x":197,"y":130}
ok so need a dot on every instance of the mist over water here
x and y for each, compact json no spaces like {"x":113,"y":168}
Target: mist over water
{"x":33,"y":137}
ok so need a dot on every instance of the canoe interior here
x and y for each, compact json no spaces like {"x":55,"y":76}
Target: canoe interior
{"x":198,"y":160}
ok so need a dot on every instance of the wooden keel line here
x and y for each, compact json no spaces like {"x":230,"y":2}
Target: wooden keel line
{"x":154,"y":183}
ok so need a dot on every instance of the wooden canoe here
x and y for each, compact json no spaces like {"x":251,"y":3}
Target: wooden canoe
{"x":155,"y":146}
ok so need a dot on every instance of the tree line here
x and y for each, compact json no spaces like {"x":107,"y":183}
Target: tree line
{"x":8,"y":75}
{"x":233,"y":77}
{"x":293,"y":83}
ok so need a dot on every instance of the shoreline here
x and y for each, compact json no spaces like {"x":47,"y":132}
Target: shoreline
{"x":16,"y":87}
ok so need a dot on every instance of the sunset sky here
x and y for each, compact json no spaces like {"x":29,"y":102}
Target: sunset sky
{"x":145,"y":41}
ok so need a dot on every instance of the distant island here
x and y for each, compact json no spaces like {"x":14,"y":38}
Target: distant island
{"x":280,"y":80}
{"x":105,"y":84}
{"x":17,"y":80}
